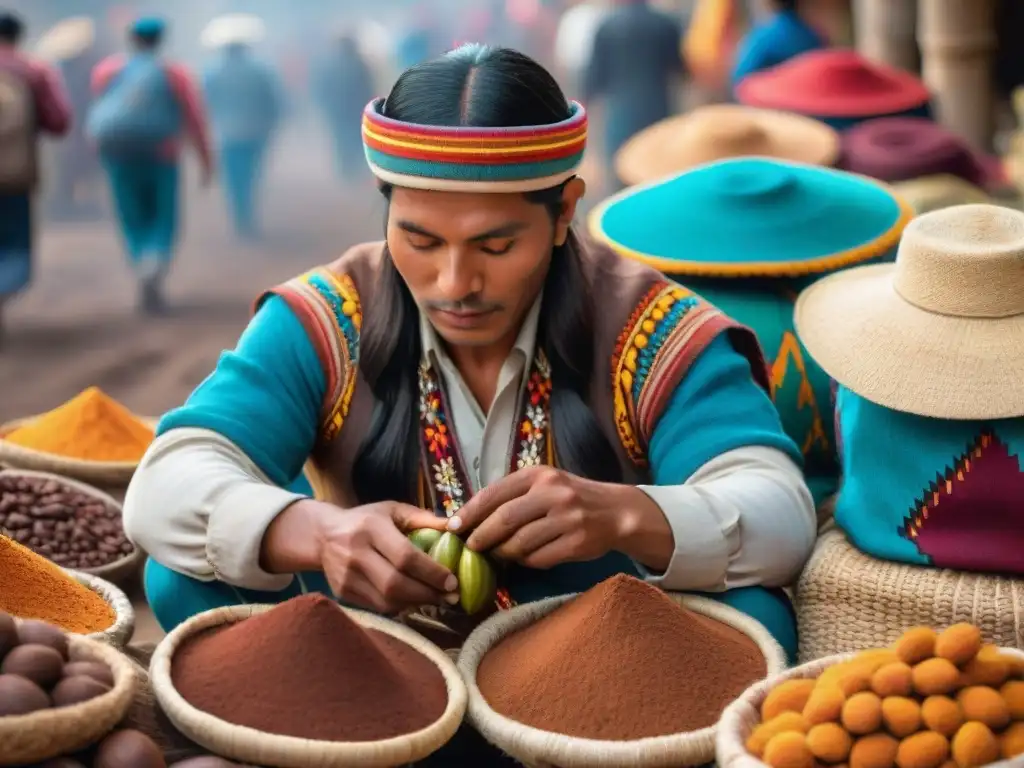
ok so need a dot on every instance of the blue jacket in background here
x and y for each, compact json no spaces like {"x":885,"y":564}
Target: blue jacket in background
{"x":243,"y":97}
{"x":773,"y":42}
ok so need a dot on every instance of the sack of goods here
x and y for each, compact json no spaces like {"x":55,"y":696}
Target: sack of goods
{"x":931,"y":700}
{"x":138,"y":112}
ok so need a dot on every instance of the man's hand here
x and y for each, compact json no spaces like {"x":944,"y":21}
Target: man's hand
{"x":542,"y":516}
{"x":368,"y":560}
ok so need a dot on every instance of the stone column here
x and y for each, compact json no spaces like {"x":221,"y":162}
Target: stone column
{"x":958,"y":45}
{"x":885,"y":31}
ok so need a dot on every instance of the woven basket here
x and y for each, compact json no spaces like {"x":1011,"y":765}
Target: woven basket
{"x":741,"y":717}
{"x":544,"y":749}
{"x":248,"y":745}
{"x":121,"y":570}
{"x":107,"y":474}
{"x":848,"y":601}
{"x":119,"y":634}
{"x":27,"y":739}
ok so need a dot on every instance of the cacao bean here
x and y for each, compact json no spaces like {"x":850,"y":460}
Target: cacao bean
{"x":71,"y":528}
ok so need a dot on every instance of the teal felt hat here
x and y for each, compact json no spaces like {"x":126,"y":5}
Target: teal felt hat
{"x":753,"y":217}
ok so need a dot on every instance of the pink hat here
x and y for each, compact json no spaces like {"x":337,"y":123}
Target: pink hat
{"x":833,"y":83}
{"x":902,"y":148}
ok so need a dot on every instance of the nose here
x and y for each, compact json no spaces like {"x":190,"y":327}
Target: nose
{"x":458,"y":276}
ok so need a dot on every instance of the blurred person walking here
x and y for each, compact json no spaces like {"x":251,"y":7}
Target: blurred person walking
{"x":32,"y":100}
{"x":73,"y":47}
{"x":244,"y":99}
{"x":145,"y":107}
{"x":343,"y":86}
{"x":779,"y":34}
{"x":635,"y":65}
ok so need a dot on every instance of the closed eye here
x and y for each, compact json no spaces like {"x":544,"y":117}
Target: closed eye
{"x":422,"y":242}
{"x":496,"y":248}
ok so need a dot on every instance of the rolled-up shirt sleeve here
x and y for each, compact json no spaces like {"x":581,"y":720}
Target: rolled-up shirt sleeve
{"x":220,"y":469}
{"x":729,"y":482}
{"x":200,"y":506}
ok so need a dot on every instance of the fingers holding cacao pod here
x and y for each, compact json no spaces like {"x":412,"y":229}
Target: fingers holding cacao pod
{"x":447,"y":551}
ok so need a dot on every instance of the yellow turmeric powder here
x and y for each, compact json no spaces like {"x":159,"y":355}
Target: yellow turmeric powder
{"x":91,"y":427}
{"x":31,"y":587}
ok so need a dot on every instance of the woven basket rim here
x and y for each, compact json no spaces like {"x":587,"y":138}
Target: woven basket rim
{"x":114,"y":704}
{"x":120,"y":632}
{"x":744,"y":714}
{"x":238,"y":742}
{"x":122,"y":563}
{"x":559,"y":749}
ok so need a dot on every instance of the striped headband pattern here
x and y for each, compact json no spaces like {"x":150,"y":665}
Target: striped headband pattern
{"x":463,"y":159}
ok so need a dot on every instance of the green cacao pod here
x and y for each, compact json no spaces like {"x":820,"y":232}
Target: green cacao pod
{"x":425,"y":538}
{"x":478,"y":583}
{"x":447,"y":551}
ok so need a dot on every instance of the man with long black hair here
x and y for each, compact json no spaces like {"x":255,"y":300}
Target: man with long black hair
{"x":484,"y":370}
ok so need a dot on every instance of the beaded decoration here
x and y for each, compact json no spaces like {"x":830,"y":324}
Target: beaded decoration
{"x":329,"y":308}
{"x":656,"y":343}
{"x":466,"y":159}
{"x":448,"y":482}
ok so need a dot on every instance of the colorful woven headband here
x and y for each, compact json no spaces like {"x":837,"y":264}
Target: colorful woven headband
{"x":461,"y":159}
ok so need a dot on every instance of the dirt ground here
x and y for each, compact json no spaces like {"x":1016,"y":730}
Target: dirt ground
{"x":77,"y":325}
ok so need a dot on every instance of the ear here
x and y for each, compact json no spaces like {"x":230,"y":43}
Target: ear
{"x":572,"y":193}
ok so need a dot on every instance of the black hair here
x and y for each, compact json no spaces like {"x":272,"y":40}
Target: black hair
{"x":786,"y":5}
{"x":11,"y":27}
{"x":483,"y":87}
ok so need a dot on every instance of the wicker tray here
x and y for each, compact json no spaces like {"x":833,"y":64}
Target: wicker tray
{"x":249,"y":745}
{"x":544,"y":749}
{"x":26,"y":739}
{"x":122,"y":570}
{"x":741,"y":717}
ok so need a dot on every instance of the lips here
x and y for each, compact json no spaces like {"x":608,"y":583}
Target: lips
{"x":972,"y":516}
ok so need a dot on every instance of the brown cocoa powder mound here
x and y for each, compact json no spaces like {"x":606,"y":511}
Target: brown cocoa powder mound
{"x":306,"y":669}
{"x":622,"y":661}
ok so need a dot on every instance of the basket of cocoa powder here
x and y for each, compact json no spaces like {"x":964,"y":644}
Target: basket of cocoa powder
{"x":68,"y":522}
{"x":621,"y":675}
{"x":307,"y":683}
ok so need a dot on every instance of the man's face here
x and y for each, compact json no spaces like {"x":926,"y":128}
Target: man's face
{"x":474,"y":263}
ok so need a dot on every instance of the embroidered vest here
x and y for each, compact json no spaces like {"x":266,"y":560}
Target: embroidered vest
{"x":931,"y":491}
{"x":647,"y":333}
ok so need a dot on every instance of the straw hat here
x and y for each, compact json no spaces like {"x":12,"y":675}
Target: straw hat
{"x":233,"y":29}
{"x":940,"y":333}
{"x":833,"y":82}
{"x":67,"y":39}
{"x":930,"y":193}
{"x":902,"y":148}
{"x":720,"y":131}
{"x":753,"y":217}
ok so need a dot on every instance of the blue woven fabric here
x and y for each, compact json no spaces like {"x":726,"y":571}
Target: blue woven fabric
{"x":958,"y":485}
{"x":750,"y":210}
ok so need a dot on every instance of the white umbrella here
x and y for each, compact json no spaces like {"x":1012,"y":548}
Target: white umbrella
{"x":233,"y":29}
{"x":67,"y":39}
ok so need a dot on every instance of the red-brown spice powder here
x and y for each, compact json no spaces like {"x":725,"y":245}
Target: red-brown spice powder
{"x":620,"y":662}
{"x":306,"y":669}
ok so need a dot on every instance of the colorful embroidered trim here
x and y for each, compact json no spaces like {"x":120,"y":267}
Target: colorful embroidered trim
{"x":328,"y":306}
{"x":448,"y":484}
{"x":789,"y":355}
{"x":655,"y":343}
{"x":459,"y":158}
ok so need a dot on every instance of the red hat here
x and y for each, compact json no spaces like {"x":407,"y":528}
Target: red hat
{"x":903,"y":148}
{"x":833,"y":82}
